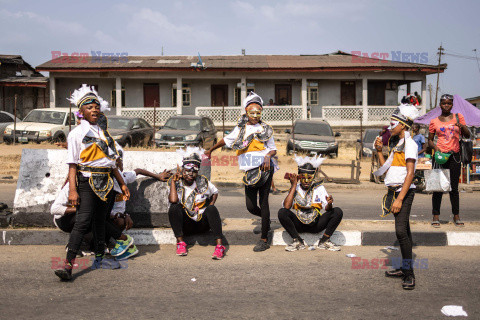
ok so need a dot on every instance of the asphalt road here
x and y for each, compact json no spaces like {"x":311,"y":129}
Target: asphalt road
{"x":245,"y":285}
{"x":356,"y":203}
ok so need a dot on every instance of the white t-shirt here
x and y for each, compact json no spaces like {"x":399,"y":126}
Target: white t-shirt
{"x":59,"y":206}
{"x":200,"y":198}
{"x":319,"y":196}
{"x":76,"y":146}
{"x":120,"y":205}
{"x":397,"y":172}
{"x":253,"y":159}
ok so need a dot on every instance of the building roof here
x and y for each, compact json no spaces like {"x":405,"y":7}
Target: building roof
{"x":24,"y":82}
{"x":338,"y":61}
{"x":16,"y":59}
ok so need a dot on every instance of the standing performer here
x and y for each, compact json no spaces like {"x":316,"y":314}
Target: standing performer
{"x":313,"y":209}
{"x":253,"y":141}
{"x":91,"y":158}
{"x":400,"y":169}
{"x":126,"y":249}
{"x":192,"y":199}
{"x":448,"y":127}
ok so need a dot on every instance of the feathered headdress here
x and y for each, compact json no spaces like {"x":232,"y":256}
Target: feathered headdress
{"x":191,"y":157}
{"x":86,"y":95}
{"x":405,"y":113}
{"x":253,"y":98}
{"x":308,"y":164}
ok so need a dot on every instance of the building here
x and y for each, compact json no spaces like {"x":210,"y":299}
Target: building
{"x":474,"y":101}
{"x":19,"y":78}
{"x":338,"y":87}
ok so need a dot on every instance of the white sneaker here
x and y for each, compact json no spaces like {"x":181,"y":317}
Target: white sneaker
{"x":296,"y":245}
{"x":328,"y":245}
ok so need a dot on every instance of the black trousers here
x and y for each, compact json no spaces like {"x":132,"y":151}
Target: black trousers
{"x":328,"y":221}
{"x":264,"y":210}
{"x":66,"y":223}
{"x":403,"y":232}
{"x":91,"y":213}
{"x":454,"y":164}
{"x":182,"y":224}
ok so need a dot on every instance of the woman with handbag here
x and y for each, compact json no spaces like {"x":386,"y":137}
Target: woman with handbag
{"x":253,"y":141}
{"x":448,"y":127}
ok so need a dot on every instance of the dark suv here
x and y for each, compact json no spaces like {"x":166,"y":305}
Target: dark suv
{"x":181,"y":131}
{"x":312,"y":136}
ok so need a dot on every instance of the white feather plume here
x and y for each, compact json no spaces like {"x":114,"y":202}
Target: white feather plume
{"x":78,"y":94}
{"x":188,"y":151}
{"x":409,"y":111}
{"x":315,"y":161}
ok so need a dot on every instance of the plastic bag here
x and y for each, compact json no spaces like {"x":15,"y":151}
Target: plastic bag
{"x":437,"y":180}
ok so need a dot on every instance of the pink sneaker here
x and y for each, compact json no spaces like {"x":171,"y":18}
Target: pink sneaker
{"x":181,"y":249}
{"x":219,"y":252}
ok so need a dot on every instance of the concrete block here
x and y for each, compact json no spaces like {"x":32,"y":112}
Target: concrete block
{"x":44,"y":171}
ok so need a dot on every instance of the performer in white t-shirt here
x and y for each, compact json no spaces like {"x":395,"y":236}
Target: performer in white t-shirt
{"x":308,"y":207}
{"x":253,"y":141}
{"x":400,"y":170}
{"x":192,"y":199}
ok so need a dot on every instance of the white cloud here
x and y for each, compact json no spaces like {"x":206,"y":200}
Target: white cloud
{"x":53,"y":25}
{"x":148,"y":24}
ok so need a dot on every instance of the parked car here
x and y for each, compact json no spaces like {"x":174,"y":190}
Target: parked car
{"x":42,"y":125}
{"x":181,"y":131}
{"x":6,"y":119}
{"x":312,"y":136}
{"x":131,"y":132}
{"x":368,"y":140}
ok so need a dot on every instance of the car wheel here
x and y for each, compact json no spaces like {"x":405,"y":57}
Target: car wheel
{"x":59,"y":137}
{"x":128,"y":142}
{"x":289,"y":151}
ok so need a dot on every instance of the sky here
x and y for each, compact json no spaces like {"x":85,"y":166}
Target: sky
{"x":35,"y":28}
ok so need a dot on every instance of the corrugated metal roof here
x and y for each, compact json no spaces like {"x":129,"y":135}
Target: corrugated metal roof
{"x":243,"y":62}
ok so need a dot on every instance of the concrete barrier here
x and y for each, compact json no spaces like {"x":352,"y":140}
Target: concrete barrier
{"x":43,"y":173}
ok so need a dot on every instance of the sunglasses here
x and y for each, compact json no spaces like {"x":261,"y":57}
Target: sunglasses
{"x":306,"y":177}
{"x":190,"y":171}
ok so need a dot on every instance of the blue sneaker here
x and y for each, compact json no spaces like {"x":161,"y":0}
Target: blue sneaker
{"x":121,"y":246}
{"x":128,"y":254}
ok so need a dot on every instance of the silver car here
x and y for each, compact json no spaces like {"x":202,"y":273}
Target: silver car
{"x":6,"y":119}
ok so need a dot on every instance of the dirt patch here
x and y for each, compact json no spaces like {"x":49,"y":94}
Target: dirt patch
{"x":224,"y":163}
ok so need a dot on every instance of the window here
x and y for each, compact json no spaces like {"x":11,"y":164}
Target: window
{"x":114,"y":97}
{"x":312,"y":94}
{"x":5,"y":118}
{"x":186,"y":94}
{"x":237,"y":97}
{"x":237,"y":93}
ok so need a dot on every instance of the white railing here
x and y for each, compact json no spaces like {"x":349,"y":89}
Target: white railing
{"x":351,"y":115}
{"x":274,"y":115}
{"x":161,"y":114}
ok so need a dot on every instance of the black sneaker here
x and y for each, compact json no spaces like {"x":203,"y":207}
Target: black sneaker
{"x":66,"y":273}
{"x":408,"y":282}
{"x":261,"y":246}
{"x":395,"y":273}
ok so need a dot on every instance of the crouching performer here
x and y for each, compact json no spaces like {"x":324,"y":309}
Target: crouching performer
{"x":91,"y":158}
{"x":400,"y":170}
{"x":313,"y":209}
{"x":192,"y":199}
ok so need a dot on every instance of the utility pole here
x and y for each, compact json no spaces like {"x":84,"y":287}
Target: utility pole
{"x":430,"y":94}
{"x":438,"y":71}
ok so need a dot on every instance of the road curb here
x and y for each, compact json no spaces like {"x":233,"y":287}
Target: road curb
{"x":247,"y":237}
